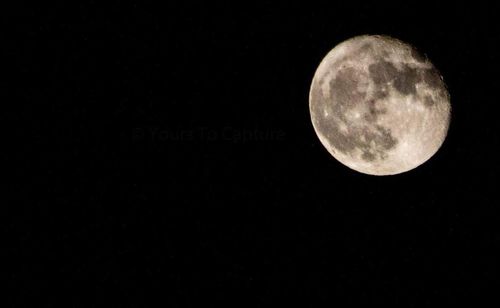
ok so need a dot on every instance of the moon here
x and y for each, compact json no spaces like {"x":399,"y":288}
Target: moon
{"x":379,"y":106}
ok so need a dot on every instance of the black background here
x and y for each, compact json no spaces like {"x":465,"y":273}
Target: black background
{"x":134,"y":190}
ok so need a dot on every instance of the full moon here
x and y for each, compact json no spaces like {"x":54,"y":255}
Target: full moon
{"x":379,"y":106}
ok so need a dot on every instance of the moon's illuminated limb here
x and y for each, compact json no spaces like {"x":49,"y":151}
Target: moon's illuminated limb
{"x":378,"y":106}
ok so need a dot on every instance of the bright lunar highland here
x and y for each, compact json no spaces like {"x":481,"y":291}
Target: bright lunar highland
{"x":379,"y":106}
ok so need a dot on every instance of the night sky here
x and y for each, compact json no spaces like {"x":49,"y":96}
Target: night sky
{"x":166,"y":157}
